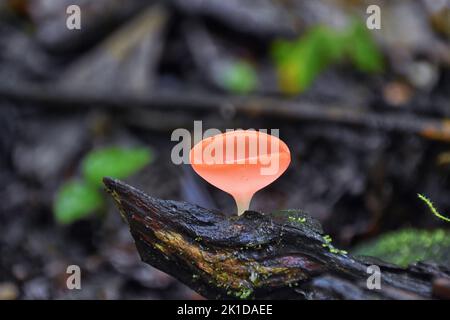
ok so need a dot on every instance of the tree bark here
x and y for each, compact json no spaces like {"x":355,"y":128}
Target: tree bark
{"x":283,"y":255}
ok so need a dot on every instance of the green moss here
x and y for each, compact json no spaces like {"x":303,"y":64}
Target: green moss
{"x":409,"y":245}
{"x":244,"y":293}
{"x":330,"y":247}
{"x":297,"y":219}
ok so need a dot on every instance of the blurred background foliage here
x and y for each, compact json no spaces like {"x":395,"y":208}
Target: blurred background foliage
{"x":300,"y":62}
{"x":78,"y":199}
{"x":407,"y":246}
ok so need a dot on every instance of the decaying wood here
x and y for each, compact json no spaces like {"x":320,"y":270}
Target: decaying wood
{"x":256,"y":255}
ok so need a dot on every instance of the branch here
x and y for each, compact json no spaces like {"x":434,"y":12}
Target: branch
{"x":52,"y":95}
{"x":282,"y":255}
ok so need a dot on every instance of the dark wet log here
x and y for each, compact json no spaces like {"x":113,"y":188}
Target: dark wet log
{"x":263,"y":256}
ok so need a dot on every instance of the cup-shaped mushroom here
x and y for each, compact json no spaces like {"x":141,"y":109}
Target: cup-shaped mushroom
{"x":240,"y":162}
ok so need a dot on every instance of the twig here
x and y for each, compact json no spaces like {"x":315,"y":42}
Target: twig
{"x":61,"y":98}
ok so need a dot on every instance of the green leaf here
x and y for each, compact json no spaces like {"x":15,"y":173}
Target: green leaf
{"x":76,"y":200}
{"x":299,"y":62}
{"x":281,"y":50}
{"x":406,"y":246}
{"x":363,"y":50}
{"x":321,"y":47}
{"x":114,"y":162}
{"x":239,"y":77}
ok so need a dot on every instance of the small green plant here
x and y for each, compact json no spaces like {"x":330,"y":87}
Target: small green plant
{"x":239,"y":77}
{"x":114,"y":162}
{"x":77,"y":199}
{"x":432,"y":207}
{"x":299,"y":62}
{"x":406,"y":246}
{"x":331,"y":248}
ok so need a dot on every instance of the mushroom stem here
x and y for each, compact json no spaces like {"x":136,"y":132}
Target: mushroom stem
{"x":242,"y":202}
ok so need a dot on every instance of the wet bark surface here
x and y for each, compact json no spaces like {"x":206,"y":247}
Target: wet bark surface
{"x":279,"y":255}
